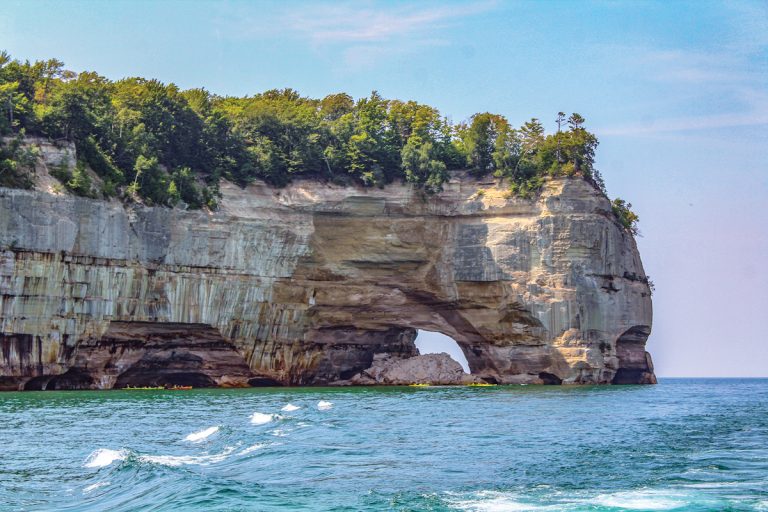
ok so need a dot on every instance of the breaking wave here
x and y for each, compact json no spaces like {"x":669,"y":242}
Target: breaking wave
{"x":251,"y":449}
{"x":642,"y":500}
{"x":187,"y":460}
{"x":203,"y":434}
{"x":104,"y":457}
{"x":491,"y":501}
{"x":259,"y":418}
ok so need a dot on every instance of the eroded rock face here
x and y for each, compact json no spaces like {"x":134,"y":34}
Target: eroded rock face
{"x":308,"y":284}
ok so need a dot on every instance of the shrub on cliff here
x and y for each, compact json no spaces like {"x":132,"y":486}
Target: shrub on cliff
{"x":16,"y":163}
{"x":626,"y":217}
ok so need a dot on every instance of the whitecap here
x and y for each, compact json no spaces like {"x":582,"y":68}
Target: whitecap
{"x":252,"y":448}
{"x":490,"y":501}
{"x":259,"y":418}
{"x":641,"y":500}
{"x":186,"y":460}
{"x":104,"y":457}
{"x":290,"y":408}
{"x":714,"y":485}
{"x":278,"y":432}
{"x":323,"y":405}
{"x":93,"y":487}
{"x":199,"y":436}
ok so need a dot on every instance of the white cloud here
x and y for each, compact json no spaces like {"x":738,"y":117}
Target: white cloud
{"x":360,"y":32}
{"x":689,"y":123}
{"x":749,"y":25}
{"x":686,"y":66}
{"x":726,"y":80}
{"x":377,"y":23}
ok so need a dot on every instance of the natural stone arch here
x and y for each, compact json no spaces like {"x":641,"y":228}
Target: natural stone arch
{"x":311,"y":282}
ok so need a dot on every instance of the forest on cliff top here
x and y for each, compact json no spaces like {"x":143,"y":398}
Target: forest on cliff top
{"x":160,"y":145}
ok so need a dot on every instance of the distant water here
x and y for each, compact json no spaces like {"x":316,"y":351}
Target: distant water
{"x":682,"y":445}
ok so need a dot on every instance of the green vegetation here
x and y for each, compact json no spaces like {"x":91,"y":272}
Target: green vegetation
{"x":16,"y":160}
{"x":155,"y":143}
{"x":625,"y":215}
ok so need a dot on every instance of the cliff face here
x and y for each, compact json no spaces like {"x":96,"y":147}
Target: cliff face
{"x":306,"y":284}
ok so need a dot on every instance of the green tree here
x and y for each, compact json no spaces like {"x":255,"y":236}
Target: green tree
{"x":80,"y":182}
{"x":624,"y":214}
{"x":333,"y":106}
{"x":581,"y":146}
{"x":13,"y":102}
{"x":173,"y":194}
{"x":489,"y":143}
{"x":575,"y":121}
{"x":78,"y":108}
{"x":420,"y":166}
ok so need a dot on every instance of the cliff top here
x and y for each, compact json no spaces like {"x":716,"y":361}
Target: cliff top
{"x":151,"y":142}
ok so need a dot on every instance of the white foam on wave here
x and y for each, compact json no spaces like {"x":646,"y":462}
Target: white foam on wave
{"x":290,"y":408}
{"x":187,"y":460}
{"x":196,"y":437}
{"x":324,"y":405}
{"x":491,"y":501}
{"x":93,"y":487}
{"x":259,"y":418}
{"x":715,"y":485}
{"x":645,"y":499}
{"x":278,"y":432}
{"x":104,"y":457}
{"x":252,"y":448}
{"x":641,"y":500}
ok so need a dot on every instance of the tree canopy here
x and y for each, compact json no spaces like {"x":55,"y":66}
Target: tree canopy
{"x":154,"y":142}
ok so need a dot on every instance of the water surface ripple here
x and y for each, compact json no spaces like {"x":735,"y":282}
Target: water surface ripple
{"x":684,"y":445}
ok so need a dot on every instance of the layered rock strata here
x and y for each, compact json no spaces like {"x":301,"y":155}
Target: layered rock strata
{"x":306,"y":285}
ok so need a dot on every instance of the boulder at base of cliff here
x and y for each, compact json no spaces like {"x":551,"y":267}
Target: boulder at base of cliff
{"x":424,"y":369}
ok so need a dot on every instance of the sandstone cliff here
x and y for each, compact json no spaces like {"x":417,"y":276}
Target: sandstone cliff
{"x":307,"y":284}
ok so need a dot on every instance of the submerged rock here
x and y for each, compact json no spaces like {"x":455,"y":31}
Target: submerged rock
{"x":315,"y":284}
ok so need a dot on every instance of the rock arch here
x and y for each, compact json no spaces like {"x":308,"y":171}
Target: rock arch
{"x":311,"y":283}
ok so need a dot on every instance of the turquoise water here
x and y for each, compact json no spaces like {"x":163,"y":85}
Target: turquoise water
{"x":681,"y":445}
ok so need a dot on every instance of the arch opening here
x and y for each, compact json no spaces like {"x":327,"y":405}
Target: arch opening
{"x":430,"y":342}
{"x":635,"y":365}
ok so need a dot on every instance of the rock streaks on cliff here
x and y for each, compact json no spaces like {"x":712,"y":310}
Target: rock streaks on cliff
{"x":309,"y":283}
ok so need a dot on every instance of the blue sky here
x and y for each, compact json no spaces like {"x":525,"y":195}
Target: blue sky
{"x":677,"y":93}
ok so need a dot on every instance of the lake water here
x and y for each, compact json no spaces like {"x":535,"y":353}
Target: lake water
{"x":682,"y":445}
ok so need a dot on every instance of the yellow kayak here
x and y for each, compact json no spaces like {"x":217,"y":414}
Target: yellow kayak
{"x":480,"y":384}
{"x":419,"y":385}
